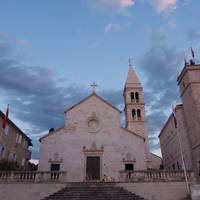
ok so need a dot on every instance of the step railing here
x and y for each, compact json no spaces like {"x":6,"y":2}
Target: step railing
{"x":32,"y":176}
{"x":154,"y":175}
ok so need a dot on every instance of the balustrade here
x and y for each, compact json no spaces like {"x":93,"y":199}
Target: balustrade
{"x":32,"y":176}
{"x":154,"y":175}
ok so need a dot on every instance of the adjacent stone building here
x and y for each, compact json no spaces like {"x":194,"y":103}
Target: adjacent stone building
{"x":170,"y":146}
{"x":14,"y":144}
{"x":92,"y":142}
{"x":188,"y":122}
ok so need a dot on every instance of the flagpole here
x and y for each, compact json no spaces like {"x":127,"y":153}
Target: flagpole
{"x":182,"y":158}
{"x":4,"y":122}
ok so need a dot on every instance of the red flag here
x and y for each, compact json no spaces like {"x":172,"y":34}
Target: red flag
{"x":174,"y":116}
{"x":5,"y":118}
{"x":192,"y":53}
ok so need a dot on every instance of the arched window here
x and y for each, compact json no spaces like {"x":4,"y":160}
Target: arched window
{"x":132,"y":96}
{"x":133,"y":114}
{"x":139,"y":114}
{"x":137,"y":96}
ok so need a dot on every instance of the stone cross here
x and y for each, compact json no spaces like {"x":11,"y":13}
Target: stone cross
{"x":94,"y":85}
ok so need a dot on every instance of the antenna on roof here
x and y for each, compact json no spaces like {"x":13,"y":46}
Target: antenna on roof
{"x":192,"y":61}
{"x":192,"y":51}
{"x":129,"y":62}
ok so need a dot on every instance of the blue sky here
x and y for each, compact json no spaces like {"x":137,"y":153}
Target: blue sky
{"x":50,"y":52}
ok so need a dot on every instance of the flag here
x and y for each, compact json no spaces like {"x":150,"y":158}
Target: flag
{"x":192,"y":51}
{"x":5,"y":118}
{"x":174,"y":116}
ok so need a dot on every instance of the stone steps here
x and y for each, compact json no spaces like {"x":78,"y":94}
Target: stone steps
{"x":93,"y":191}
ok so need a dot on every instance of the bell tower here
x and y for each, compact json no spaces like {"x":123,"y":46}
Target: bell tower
{"x":135,"y":119}
{"x":189,"y":86}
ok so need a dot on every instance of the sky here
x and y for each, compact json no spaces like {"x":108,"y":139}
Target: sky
{"x":51,"y":51}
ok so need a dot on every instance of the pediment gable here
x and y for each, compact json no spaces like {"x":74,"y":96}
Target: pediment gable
{"x":91,"y":96}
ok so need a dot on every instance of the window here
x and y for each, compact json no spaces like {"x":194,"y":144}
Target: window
{"x":23,"y":162}
{"x":55,"y":167}
{"x":17,"y":136}
{"x":137,"y":97}
{"x":173,"y":167}
{"x":18,"y":139}
{"x":139,"y":114}
{"x":129,"y":166}
{"x":6,"y":131}
{"x":178,"y":165}
{"x":133,"y":114}
{"x":132,"y":96}
{"x":10,"y":156}
{"x":25,"y":144}
{"x":14,"y":157}
{"x":2,"y":150}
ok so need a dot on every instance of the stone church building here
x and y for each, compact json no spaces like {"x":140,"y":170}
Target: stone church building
{"x":92,"y":142}
{"x":185,"y":138}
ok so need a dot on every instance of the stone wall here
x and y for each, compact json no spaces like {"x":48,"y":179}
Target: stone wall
{"x":156,"y":161}
{"x":170,"y":145}
{"x":147,"y":190}
{"x":28,"y":191}
{"x":195,"y":192}
{"x":157,"y":190}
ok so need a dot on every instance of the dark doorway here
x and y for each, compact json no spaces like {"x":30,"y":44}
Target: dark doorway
{"x":129,"y":167}
{"x":55,"y":167}
{"x":93,"y":168}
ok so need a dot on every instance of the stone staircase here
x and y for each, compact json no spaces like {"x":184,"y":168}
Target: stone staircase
{"x":93,"y":191}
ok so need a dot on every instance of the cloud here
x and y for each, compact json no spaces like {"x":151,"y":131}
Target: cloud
{"x":116,"y":6}
{"x":36,"y":97}
{"x":34,"y":94}
{"x":110,"y":27}
{"x":14,"y":40}
{"x":193,"y":35}
{"x":126,"y":3}
{"x":21,"y":41}
{"x":160,"y":65}
{"x":164,"y":5}
{"x":168,"y":5}
{"x":115,"y":27}
{"x":172,"y":24}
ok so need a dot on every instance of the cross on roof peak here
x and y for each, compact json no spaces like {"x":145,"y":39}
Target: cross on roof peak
{"x":94,"y":85}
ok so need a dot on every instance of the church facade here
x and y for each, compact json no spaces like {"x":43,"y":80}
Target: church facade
{"x":92,"y":143}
